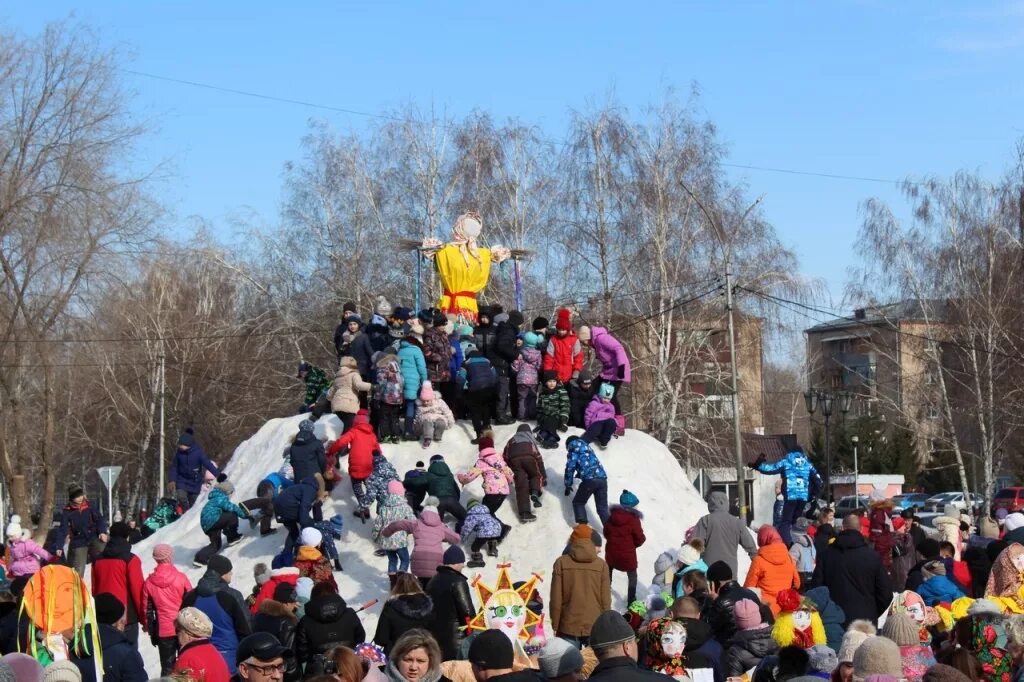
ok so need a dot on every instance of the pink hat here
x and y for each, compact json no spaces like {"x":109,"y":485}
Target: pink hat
{"x":396,"y":488}
{"x":747,"y":614}
{"x":427,"y":392}
{"x":163,"y":554}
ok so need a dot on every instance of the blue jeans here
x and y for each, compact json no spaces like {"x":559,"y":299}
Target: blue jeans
{"x":398,"y":560}
{"x":596,"y":488}
{"x":410,"y":414}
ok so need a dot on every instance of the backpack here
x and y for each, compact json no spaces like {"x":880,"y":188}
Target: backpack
{"x":390,"y":388}
{"x":807,"y":558}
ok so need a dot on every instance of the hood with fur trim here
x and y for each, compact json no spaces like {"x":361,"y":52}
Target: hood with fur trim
{"x":276,"y":609}
{"x":628,"y":510}
{"x":413,"y":606}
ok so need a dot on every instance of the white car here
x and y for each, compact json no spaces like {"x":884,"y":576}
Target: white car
{"x":937,"y":503}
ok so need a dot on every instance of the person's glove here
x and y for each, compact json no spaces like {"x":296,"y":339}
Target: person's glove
{"x":622,"y":372}
{"x":568,"y":492}
{"x":221,"y":477}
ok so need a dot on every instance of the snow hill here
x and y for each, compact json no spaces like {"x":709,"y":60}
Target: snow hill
{"x":636,"y":461}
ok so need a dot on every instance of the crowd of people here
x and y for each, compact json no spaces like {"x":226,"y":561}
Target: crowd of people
{"x":870,"y":597}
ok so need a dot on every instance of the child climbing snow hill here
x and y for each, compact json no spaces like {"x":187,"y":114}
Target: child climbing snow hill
{"x":433,"y":416}
{"x":483,"y":524}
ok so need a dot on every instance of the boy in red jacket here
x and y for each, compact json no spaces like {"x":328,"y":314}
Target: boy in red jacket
{"x":623,"y":534}
{"x":564,"y":353}
{"x":362,"y":443}
{"x":119,"y":572}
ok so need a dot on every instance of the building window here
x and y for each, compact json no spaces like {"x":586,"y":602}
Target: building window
{"x":929,"y":376}
{"x":933,"y":411}
{"x":717,"y":407}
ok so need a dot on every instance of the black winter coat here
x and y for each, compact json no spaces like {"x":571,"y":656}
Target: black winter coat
{"x":622,"y":669}
{"x":823,"y":538}
{"x":401,"y":614}
{"x":486,"y":341}
{"x":453,"y":605}
{"x":121,"y":659}
{"x":719,"y":615}
{"x":578,"y":401}
{"x":504,"y":351}
{"x":746,"y":649}
{"x":855,"y":577}
{"x":307,"y":456}
{"x":294,"y":503}
{"x":978,"y":564}
{"x":329,"y":622}
{"x":278,"y":620}
{"x":374,"y":338}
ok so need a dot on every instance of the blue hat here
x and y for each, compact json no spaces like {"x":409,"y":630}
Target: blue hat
{"x":306,"y":425}
{"x":187,"y":438}
{"x":337,"y":525}
{"x":453,"y":555}
{"x":607,"y":391}
{"x":401,"y":313}
{"x":628,"y":499}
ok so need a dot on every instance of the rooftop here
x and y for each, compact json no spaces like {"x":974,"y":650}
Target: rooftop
{"x":904,"y":311}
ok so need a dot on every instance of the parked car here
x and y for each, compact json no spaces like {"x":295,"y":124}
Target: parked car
{"x":1010,"y":499}
{"x":849,"y":504}
{"x":937,"y":503}
{"x":910,"y":501}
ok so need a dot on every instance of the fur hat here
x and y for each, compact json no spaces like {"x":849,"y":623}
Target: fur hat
{"x":427,"y":392}
{"x":747,"y":614}
{"x":988,"y":528}
{"x":1013,"y":521}
{"x":564,"y":322}
{"x":951,"y":511}
{"x":311,"y":537}
{"x":822,"y":659}
{"x":628,"y":499}
{"x":195,"y":622}
{"x":395,"y":487}
{"x":900,"y":628}
{"x":933,"y":568}
{"x":877,"y":656}
{"x":226,"y":487}
{"x":401,"y":313}
{"x":856,"y":634}
{"x":584,"y":333}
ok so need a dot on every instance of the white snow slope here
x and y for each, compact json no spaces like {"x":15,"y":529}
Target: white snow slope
{"x":636,"y":462}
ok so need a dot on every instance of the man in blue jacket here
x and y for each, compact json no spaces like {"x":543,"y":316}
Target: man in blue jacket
{"x":187,"y":470}
{"x":223,"y":605}
{"x":86,"y":528}
{"x":798,"y":474}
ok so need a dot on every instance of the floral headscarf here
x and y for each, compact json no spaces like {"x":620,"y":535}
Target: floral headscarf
{"x":467,"y":242}
{"x":988,"y":642}
{"x":1006,"y":579}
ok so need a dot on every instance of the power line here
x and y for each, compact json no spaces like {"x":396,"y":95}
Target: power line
{"x":562,"y":143}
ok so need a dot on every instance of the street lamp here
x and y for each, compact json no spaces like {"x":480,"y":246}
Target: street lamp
{"x":826,"y":400}
{"x":856,"y":466}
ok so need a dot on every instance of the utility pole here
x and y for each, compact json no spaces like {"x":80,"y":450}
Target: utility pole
{"x":740,"y":467}
{"x":160,"y":453}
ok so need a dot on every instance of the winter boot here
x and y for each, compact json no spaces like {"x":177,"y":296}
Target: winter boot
{"x":269,"y":531}
{"x":492,"y":548}
{"x":410,"y":437}
{"x":527,"y":517}
{"x":234,"y":540}
{"x":426,"y":443}
{"x":379,"y":552}
{"x":535,"y":498}
{"x":505,"y":528}
{"x":337,"y":564}
{"x":475,"y":441}
{"x":505,"y":420}
{"x":476,"y":560}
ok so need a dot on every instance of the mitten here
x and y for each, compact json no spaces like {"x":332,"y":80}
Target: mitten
{"x":622,"y":372}
{"x":568,"y":491}
{"x":221,"y":477}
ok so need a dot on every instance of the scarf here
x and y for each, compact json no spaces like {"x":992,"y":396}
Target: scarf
{"x":467,"y":245}
{"x":1005,"y":580}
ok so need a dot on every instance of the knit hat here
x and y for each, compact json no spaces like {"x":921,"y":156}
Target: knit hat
{"x":985,"y":606}
{"x":628,"y":499}
{"x":540,"y":324}
{"x":226,"y":487}
{"x":427,"y":392}
{"x":822,"y":659}
{"x":747,"y":614}
{"x":187,"y":438}
{"x":585,"y":377}
{"x":533,"y":340}
{"x":453,"y":555}
{"x":940,"y":672}
{"x":74,"y":491}
{"x":395,"y":487}
{"x":430,"y":505}
{"x":382,"y":307}
{"x":559,"y":658}
{"x":549,"y":375}
{"x":261,"y":573}
{"x":581,"y":532}
{"x":988,"y":528}
{"x":58,"y":671}
{"x":163,"y":554}
{"x":877,"y":656}
{"x":900,"y":628}
{"x":516,"y":318}
{"x":719,"y":572}
{"x":933,"y":568}
{"x":120,"y":529}
{"x":607,"y":391}
{"x":898,"y":522}
{"x":802,"y":524}
{"x":401,"y":313}
{"x":563,"y":322}
{"x":951,"y":511}
{"x":584,"y":333}
{"x":436,"y":458}
{"x":220,"y":564}
{"x":285,"y":593}
{"x":304,"y":589}
{"x":14,"y":528}
{"x":688,"y":555}
{"x":491,"y":650}
{"x":485,"y":442}
{"x":109,"y":608}
{"x":1001,"y":514}
{"x":25,"y":668}
{"x":1013,"y":521}
{"x":194,"y":622}
{"x":856,"y":634}
{"x":311,"y":537}
{"x":609,"y":629}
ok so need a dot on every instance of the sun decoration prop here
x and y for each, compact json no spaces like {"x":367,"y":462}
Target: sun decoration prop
{"x":504,"y":607}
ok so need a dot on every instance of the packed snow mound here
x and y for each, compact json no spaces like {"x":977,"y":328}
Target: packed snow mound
{"x":636,"y":462}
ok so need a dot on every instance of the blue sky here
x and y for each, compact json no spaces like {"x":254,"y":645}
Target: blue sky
{"x":876,"y":89}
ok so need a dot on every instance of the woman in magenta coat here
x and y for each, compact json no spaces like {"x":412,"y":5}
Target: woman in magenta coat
{"x":609,"y":351}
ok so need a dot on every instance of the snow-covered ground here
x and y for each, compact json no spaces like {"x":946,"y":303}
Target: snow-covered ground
{"x":636,"y":462}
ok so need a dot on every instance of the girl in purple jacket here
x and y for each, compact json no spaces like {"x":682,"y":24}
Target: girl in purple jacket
{"x":600,"y":417}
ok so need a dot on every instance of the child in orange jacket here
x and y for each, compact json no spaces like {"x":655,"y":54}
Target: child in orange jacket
{"x":772,"y":570}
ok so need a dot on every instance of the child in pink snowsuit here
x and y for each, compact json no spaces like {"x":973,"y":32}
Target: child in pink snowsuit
{"x":25,"y":555}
